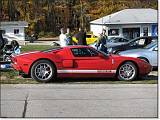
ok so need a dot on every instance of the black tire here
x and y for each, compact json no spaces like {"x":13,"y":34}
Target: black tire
{"x":43,"y":71}
{"x":127,"y":71}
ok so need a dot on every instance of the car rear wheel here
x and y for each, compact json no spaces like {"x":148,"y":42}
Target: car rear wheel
{"x":43,"y":71}
{"x":127,"y":71}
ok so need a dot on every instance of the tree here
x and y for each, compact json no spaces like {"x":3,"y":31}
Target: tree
{"x":11,"y":10}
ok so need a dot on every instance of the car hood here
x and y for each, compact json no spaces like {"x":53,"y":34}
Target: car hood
{"x":133,"y":51}
{"x":122,"y":58}
{"x":110,"y":44}
{"x":118,"y":46}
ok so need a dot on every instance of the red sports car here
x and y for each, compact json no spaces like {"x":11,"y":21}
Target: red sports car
{"x":78,"y":61}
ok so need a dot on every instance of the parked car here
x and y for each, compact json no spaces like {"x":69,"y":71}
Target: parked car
{"x":78,"y":61}
{"x":90,"y":38}
{"x":113,"y":41}
{"x":148,"y":53}
{"x":136,"y":43}
{"x":116,"y":41}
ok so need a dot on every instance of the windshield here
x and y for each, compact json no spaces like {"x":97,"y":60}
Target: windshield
{"x":88,"y":36}
{"x":111,"y":39}
{"x":150,"y":45}
{"x":101,"y":52}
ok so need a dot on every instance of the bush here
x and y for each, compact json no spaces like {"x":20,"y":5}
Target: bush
{"x":41,"y":34}
{"x":46,"y":34}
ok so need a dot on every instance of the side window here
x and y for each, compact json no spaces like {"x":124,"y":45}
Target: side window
{"x":120,"y":40}
{"x":84,"y":52}
{"x":93,"y":52}
{"x":80,"y":52}
{"x":116,"y":40}
{"x":88,"y":36}
{"x":133,"y":43}
{"x":138,"y":42}
{"x":125,"y":40}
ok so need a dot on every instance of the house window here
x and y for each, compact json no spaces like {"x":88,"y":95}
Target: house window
{"x":113,"y":32}
{"x":16,"y":31}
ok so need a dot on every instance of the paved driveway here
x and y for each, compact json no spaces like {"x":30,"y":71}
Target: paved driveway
{"x":79,"y":100}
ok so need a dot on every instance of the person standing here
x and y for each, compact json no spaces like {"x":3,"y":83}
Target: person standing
{"x":81,"y":37}
{"x":15,"y":47}
{"x":68,"y":37}
{"x":62,"y":38}
{"x":102,"y":41}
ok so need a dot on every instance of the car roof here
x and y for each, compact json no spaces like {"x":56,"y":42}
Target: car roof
{"x":142,"y":38}
{"x":132,"y":40}
{"x":118,"y":37}
{"x":77,"y":46}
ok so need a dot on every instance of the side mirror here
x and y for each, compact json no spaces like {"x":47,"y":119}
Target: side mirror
{"x":155,"y":49}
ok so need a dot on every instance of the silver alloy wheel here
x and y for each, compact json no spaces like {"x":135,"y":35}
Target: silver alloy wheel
{"x":43,"y":71}
{"x":127,"y":72}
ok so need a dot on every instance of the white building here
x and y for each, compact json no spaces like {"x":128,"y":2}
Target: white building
{"x":14,"y":30}
{"x":129,"y":23}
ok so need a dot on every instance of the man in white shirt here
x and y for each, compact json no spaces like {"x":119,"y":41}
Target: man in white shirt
{"x":62,"y":38}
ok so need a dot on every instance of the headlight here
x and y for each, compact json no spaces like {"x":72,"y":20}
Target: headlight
{"x":109,"y":50}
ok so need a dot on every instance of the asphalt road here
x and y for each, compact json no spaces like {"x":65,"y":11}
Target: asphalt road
{"x":79,"y":100}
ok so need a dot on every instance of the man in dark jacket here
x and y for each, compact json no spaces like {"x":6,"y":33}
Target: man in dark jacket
{"x":102,"y":41}
{"x":2,"y":40}
{"x":81,"y":37}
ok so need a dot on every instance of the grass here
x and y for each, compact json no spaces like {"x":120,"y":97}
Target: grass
{"x":27,"y":48}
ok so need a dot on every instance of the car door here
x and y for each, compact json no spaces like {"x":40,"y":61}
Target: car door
{"x":89,"y":61}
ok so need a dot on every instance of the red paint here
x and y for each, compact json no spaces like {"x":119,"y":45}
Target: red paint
{"x":64,"y":60}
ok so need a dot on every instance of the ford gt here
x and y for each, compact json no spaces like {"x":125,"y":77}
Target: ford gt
{"x":78,"y":61}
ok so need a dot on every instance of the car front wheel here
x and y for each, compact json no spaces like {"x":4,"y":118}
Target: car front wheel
{"x":43,"y":71}
{"x":127,"y":71}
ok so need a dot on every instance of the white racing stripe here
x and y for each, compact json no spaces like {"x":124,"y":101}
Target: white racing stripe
{"x":86,"y":71}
